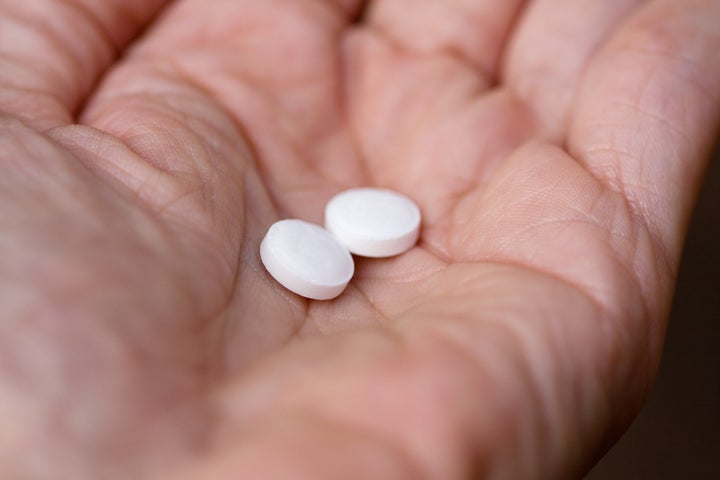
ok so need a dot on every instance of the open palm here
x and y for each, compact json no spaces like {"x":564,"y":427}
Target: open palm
{"x":554,"y":148}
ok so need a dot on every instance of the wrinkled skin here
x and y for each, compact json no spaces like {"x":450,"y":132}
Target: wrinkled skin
{"x":555,"y":148}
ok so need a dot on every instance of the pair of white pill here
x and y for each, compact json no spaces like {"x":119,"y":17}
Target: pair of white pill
{"x":315,"y":262}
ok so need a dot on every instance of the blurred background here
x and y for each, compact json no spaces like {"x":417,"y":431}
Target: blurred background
{"x":677,"y":434}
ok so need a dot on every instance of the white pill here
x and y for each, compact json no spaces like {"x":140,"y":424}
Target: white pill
{"x":306,"y":259}
{"x":373,"y":222}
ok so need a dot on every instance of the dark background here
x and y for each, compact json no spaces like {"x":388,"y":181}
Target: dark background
{"x":677,"y":434}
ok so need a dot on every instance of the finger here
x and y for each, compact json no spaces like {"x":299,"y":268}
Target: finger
{"x":426,"y":125}
{"x":415,"y":77}
{"x":52,"y":52}
{"x":270,"y":68}
{"x":648,"y":113}
{"x":224,"y":118}
{"x":473,"y":30}
{"x":551,"y":47}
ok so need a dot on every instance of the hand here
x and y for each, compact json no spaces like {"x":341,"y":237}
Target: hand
{"x":555,"y":149}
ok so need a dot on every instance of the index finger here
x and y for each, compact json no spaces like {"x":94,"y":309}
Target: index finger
{"x":52,"y":52}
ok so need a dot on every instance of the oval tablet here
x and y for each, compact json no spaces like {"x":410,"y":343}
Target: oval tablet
{"x":306,"y":259}
{"x":373,"y":222}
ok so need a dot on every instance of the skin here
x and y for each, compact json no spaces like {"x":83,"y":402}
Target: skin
{"x":555,"y":148}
